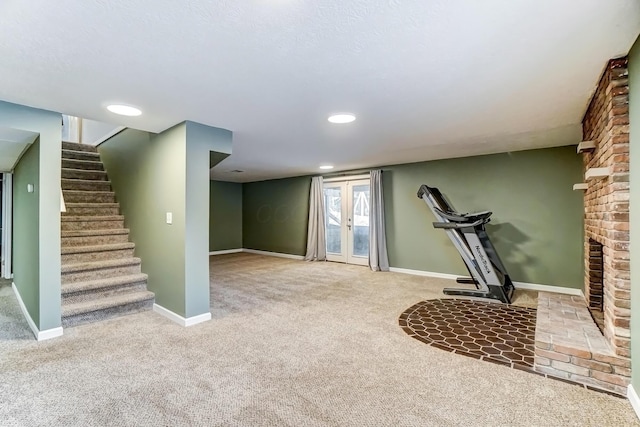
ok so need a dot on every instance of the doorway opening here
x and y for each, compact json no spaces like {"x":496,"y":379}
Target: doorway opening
{"x":346,"y":204}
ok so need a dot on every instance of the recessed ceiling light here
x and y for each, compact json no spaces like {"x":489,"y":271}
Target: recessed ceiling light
{"x":326,"y":167}
{"x":342,"y":118}
{"x":124,"y":110}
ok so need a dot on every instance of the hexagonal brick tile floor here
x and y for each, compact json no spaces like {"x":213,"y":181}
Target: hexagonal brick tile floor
{"x":494,"y":332}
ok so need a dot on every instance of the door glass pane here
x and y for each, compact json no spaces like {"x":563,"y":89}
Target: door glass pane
{"x":361,"y":220}
{"x":333,"y":219}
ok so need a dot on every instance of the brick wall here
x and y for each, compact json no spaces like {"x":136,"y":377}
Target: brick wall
{"x":606,"y":122}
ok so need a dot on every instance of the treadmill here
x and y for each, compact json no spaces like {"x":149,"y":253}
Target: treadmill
{"x":467,"y":233}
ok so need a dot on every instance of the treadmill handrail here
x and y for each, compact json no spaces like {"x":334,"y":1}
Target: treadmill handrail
{"x":456,"y":217}
{"x":457,"y":224}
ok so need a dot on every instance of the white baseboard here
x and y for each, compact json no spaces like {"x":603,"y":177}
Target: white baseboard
{"x":49,"y":333}
{"x":226,"y":251}
{"x":633,"y":399}
{"x":517,"y":285}
{"x":276,"y":254}
{"x":40,"y":335}
{"x":182,"y":321}
{"x":548,"y":288}
{"x":423,"y":273}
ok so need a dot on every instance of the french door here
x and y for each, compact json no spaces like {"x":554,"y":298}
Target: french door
{"x":346,"y":205}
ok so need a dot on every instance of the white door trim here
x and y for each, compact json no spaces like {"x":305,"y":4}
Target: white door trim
{"x":7,"y":212}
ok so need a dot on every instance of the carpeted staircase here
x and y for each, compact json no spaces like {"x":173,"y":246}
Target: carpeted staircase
{"x":100,"y":276}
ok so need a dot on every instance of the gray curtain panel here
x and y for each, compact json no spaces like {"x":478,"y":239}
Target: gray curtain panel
{"x":316,"y":240}
{"x":378,"y":258}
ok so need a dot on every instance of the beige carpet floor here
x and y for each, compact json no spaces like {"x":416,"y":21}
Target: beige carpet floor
{"x":290,"y":344}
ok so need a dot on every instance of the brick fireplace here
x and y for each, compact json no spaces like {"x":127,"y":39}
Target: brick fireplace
{"x":606,"y":202}
{"x":569,"y":345}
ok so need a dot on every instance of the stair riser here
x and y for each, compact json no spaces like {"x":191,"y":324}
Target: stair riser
{"x":86,"y":186}
{"x":78,"y":164}
{"x":94,"y":240}
{"x":96,"y":256}
{"x":102,"y":273}
{"x":98,"y":197}
{"x":92,"y":211}
{"x":109,"y":313}
{"x":79,"y":147}
{"x":84,"y":174}
{"x":103,"y":293}
{"x":91,"y":225}
{"x":77,"y":155}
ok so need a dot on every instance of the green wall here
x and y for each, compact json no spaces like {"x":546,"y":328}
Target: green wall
{"x":168,"y":172}
{"x":36,"y":216}
{"x":275,"y":215}
{"x":147,"y":173}
{"x":26,"y":237}
{"x":537,"y":218}
{"x":225,"y":216}
{"x":536,"y":226}
{"x":634,"y":186}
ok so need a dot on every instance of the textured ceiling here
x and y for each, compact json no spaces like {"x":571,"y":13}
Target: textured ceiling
{"x":427,"y":79}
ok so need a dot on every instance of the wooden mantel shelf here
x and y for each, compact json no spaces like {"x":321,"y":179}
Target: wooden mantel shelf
{"x":586,"y":146}
{"x":594,"y":173}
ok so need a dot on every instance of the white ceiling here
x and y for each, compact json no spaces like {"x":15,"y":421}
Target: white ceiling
{"x":427,"y":79}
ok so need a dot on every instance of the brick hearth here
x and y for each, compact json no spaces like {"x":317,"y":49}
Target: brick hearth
{"x":569,"y":345}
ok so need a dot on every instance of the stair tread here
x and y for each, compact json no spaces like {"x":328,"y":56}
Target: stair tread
{"x":92,"y":285}
{"x":90,"y":306}
{"x":75,"y":180}
{"x":83,"y":161}
{"x":86,"y":191}
{"x":89,"y":233}
{"x":91,"y":153}
{"x":80,"y":144}
{"x":95,"y":265}
{"x":83,"y":171}
{"x":92,"y":205}
{"x":73,"y":218}
{"x":97,"y":248}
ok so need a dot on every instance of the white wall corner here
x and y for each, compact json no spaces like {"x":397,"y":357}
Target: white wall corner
{"x":182,"y":321}
{"x":38,"y":334}
{"x":226,"y":251}
{"x":633,"y":399}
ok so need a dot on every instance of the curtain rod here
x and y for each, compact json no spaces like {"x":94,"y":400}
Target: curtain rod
{"x":348,"y":173}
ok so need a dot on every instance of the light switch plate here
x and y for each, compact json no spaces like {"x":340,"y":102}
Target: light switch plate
{"x":169,"y":218}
